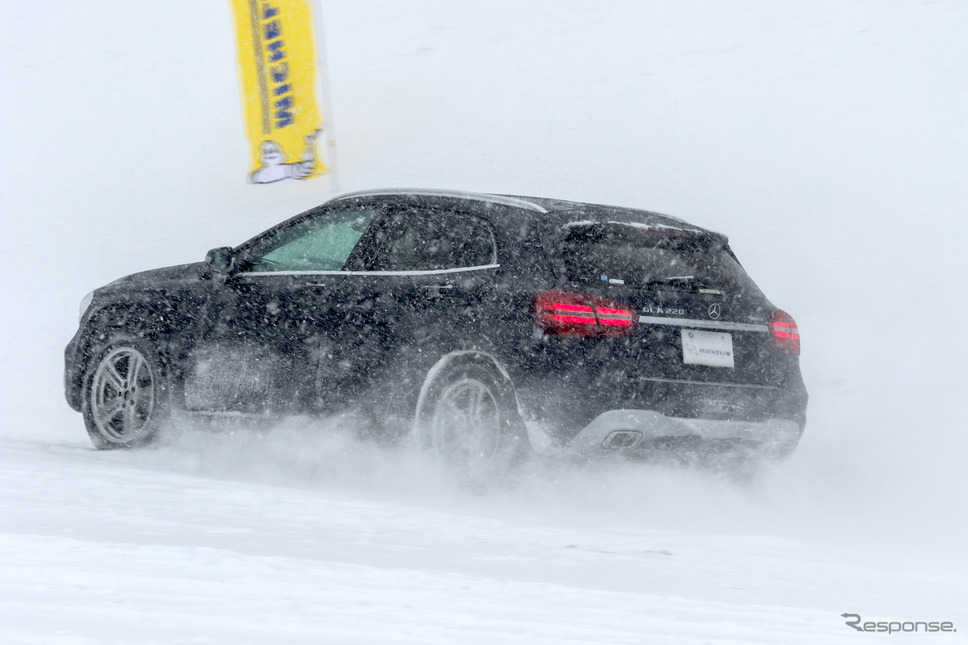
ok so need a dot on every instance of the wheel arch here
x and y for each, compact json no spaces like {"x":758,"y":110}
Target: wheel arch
{"x":137,"y":319}
{"x":469,"y":356}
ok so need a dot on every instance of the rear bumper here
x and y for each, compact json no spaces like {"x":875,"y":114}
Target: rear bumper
{"x":611,"y":412}
{"x":666,"y":408}
{"x":648,"y":430}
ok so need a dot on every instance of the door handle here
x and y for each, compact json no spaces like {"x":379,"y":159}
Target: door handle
{"x":436,"y":287}
{"x":319,"y":288}
{"x":437,"y":290}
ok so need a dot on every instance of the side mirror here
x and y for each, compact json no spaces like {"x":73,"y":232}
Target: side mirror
{"x":218,"y":262}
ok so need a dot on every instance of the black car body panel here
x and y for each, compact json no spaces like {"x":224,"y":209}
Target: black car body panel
{"x":290,"y":327}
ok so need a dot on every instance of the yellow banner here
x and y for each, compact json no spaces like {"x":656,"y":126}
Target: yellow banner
{"x":277,"y":71}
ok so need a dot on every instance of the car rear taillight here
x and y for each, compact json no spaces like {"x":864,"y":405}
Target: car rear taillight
{"x":785,"y":332}
{"x":569,"y":313}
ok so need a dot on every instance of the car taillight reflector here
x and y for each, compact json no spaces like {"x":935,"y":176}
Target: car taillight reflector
{"x":617,"y":317}
{"x":569,"y":313}
{"x":785,"y":332}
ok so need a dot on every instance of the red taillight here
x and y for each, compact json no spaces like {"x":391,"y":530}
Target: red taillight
{"x":569,"y":313}
{"x":785,"y":332}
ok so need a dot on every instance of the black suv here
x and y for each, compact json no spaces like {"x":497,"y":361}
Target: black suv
{"x":453,"y":318}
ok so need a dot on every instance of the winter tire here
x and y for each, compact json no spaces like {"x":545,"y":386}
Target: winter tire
{"x":468,"y":417}
{"x":125,"y":395}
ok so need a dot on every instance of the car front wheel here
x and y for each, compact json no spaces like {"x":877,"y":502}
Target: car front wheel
{"x":125,"y":398}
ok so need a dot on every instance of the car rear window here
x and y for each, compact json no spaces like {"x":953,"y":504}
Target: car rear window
{"x":640,"y":256}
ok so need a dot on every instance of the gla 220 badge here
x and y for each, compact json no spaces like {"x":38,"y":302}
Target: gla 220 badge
{"x":663,"y":310}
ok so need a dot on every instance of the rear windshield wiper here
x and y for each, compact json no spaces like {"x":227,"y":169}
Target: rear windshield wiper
{"x":683,"y":282}
{"x":674,"y":280}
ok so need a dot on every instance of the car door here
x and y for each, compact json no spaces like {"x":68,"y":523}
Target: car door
{"x":414,"y":293}
{"x":270,"y":332}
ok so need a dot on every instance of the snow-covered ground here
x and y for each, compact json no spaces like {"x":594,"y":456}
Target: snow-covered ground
{"x":828,"y":139}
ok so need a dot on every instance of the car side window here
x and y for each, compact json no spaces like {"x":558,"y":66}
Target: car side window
{"x":430,"y":240}
{"x":321,"y":243}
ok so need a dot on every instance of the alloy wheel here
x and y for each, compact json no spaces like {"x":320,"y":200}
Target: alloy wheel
{"x":123,"y":395}
{"x":466,"y":423}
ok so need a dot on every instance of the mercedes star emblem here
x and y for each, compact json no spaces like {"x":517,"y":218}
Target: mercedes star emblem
{"x":715,"y":310}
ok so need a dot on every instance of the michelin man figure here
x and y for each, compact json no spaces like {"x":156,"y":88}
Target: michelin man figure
{"x":273,"y":168}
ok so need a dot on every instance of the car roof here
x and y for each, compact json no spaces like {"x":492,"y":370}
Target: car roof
{"x":508,"y":200}
{"x":553,"y":213}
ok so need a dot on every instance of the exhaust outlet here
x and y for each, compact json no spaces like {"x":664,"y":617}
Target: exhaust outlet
{"x":621,"y":439}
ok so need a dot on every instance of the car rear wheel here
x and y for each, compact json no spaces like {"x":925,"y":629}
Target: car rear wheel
{"x":468,"y":417}
{"x":125,"y":398}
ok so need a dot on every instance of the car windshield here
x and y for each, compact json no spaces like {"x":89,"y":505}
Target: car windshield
{"x":642,"y":256}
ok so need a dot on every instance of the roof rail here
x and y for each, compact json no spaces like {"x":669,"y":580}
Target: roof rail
{"x":481,"y":197}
